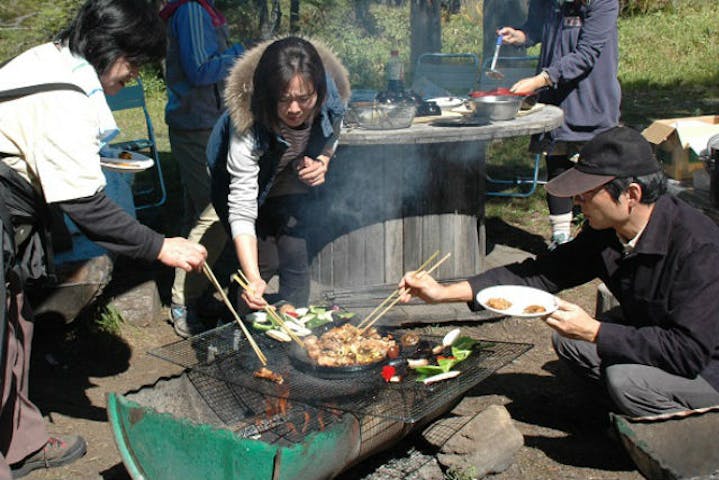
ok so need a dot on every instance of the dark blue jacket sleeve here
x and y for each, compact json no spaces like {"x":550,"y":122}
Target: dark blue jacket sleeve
{"x":201,"y":59}
{"x":597,"y":29}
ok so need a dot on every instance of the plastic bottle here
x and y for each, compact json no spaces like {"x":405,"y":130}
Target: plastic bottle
{"x":394,"y":70}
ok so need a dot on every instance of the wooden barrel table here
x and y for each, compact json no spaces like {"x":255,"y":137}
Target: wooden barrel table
{"x":393,"y":197}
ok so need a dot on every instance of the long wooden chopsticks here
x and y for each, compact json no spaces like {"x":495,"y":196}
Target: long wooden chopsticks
{"x":211,"y":276}
{"x":271,"y":311}
{"x":365,"y":324}
{"x":389,"y":297}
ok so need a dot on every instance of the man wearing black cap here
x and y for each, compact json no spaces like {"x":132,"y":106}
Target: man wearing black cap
{"x":657,"y":255}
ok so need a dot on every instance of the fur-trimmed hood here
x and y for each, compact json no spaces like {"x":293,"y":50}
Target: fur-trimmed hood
{"x":238,"y":89}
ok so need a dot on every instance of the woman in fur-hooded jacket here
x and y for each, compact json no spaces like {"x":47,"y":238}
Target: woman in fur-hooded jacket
{"x":286,"y":99}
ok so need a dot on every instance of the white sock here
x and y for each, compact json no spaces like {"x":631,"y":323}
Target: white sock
{"x":561,"y":224}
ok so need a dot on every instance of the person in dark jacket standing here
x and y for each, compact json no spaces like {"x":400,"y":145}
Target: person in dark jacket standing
{"x":658,"y":256}
{"x":199,"y":56}
{"x":49,"y":156}
{"x":578,"y":72}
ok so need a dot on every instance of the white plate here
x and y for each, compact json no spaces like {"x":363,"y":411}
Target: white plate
{"x":520,"y":297}
{"x":110,"y":159}
{"x":446,"y":102}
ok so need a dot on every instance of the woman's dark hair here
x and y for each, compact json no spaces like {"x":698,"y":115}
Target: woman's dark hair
{"x":280,"y":63}
{"x":104,"y":30}
{"x":652,"y":185}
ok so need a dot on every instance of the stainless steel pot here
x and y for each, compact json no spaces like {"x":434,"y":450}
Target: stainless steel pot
{"x":496,"y":107}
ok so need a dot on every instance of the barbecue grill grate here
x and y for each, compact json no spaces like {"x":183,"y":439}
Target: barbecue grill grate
{"x":222,"y":365}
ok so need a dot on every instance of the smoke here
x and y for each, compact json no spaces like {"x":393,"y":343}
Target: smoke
{"x":371,"y":185}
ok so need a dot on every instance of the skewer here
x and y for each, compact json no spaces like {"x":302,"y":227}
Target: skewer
{"x":271,"y":311}
{"x":395,"y":292}
{"x":213,"y":280}
{"x":402,"y":291}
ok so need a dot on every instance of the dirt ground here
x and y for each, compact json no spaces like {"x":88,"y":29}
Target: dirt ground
{"x":564,"y":426}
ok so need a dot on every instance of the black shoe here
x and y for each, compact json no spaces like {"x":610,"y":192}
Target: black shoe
{"x":58,"y":451}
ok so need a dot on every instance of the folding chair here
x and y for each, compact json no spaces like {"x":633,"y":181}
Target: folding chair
{"x":154,"y":193}
{"x":513,"y":69}
{"x":532,"y":181}
{"x":440,"y":74}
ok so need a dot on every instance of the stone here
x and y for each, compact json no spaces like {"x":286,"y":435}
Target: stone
{"x":139,"y":305}
{"x":485,"y":444}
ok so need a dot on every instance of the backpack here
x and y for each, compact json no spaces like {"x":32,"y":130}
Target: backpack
{"x":25,"y":219}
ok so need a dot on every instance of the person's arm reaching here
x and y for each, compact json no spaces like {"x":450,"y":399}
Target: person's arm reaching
{"x":108,"y":225}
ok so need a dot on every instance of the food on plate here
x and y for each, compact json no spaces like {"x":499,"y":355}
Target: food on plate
{"x":534,"y":309}
{"x":268,"y":374}
{"x":347,"y":346}
{"x":499,"y":303}
{"x":125,"y":155}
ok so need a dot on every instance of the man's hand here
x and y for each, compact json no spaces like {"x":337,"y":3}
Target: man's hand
{"x":572,"y":321}
{"x":423,"y":286}
{"x":181,"y":253}
{"x":312,"y":172}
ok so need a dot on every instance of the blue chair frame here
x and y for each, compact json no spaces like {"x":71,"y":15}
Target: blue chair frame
{"x":513,"y":73}
{"x":517,"y":181}
{"x":133,"y":96}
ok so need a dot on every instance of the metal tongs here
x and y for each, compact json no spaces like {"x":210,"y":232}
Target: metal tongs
{"x":493,"y":72}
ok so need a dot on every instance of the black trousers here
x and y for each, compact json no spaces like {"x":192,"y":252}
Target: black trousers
{"x":557,"y":164}
{"x":282,"y":246}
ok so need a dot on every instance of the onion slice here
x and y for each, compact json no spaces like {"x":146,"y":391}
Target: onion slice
{"x":278,"y":335}
{"x":441,"y":376}
{"x":450,"y":338}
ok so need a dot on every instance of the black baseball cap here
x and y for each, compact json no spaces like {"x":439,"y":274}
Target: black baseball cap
{"x":618,"y":152}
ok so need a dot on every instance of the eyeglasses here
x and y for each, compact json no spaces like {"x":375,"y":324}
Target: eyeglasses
{"x":302,"y":100}
{"x":588,"y":195}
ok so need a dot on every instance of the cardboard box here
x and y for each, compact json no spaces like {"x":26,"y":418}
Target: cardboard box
{"x":678,"y":142}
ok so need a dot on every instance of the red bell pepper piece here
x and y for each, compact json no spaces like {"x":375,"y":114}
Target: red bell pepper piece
{"x":388,"y":372}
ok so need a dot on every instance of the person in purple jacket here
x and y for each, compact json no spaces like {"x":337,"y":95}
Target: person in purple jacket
{"x":199,"y":57}
{"x":659,"y":352}
{"x":577,"y":71}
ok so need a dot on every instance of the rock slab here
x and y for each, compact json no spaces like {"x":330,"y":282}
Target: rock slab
{"x":483,"y":444}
